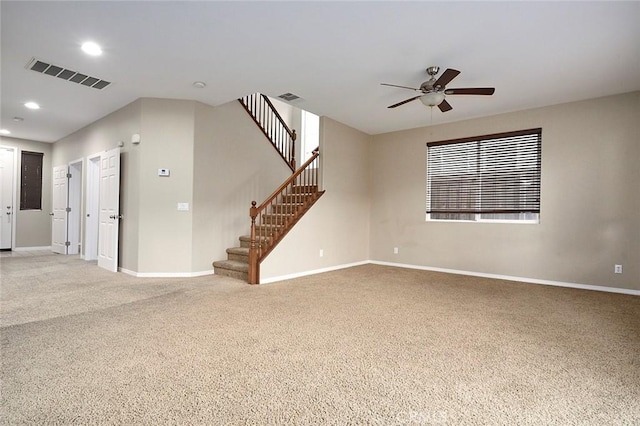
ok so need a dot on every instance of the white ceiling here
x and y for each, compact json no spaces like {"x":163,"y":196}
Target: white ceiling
{"x":334,"y":55}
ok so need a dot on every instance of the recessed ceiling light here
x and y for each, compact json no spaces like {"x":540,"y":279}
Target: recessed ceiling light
{"x":92,"y":49}
{"x":18,"y":119}
{"x":32,"y":105}
{"x":4,"y":132}
{"x":199,"y":84}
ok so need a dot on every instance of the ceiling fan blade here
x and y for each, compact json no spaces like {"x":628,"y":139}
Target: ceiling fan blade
{"x":403,"y":102}
{"x":445,"y":106}
{"x":448,"y":75}
{"x":471,"y":91}
{"x":402,"y":87}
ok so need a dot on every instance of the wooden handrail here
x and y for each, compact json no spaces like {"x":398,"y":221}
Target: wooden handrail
{"x":273,"y":126}
{"x":272,"y":219}
{"x":315,"y":153}
{"x":292,"y":133}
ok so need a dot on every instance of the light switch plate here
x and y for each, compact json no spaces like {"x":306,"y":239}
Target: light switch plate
{"x":164,"y":172}
{"x":183,"y":207}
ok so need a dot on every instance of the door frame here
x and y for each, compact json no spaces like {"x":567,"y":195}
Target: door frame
{"x":14,"y":190}
{"x":74,"y":202}
{"x":92,"y":207}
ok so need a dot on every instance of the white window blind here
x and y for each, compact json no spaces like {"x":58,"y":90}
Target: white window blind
{"x":485,"y":177}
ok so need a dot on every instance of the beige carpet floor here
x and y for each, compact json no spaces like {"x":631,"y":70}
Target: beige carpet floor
{"x":369,"y":345}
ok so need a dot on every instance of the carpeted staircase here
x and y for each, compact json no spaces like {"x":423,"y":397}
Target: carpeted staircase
{"x":237,"y":263}
{"x":280,"y":218}
{"x":271,"y":220}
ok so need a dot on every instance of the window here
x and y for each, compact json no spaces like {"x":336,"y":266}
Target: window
{"x":31,"y":181}
{"x":485,"y":178}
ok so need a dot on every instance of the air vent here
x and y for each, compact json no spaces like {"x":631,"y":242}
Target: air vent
{"x":289,"y":97}
{"x":66,"y":74}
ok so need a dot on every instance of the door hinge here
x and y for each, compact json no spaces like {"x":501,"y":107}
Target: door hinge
{"x":67,"y":243}
{"x":68,"y":175}
{"x":68,"y":209}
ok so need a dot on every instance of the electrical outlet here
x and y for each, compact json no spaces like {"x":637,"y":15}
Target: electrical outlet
{"x":395,"y":250}
{"x":321,"y":252}
{"x":617,"y":269}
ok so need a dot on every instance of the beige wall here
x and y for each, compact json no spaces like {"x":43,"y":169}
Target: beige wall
{"x":292,"y":116}
{"x":234,"y":164}
{"x":339,"y":222}
{"x":289,"y":113}
{"x":32,"y":227}
{"x":219,"y":161}
{"x":103,"y":135}
{"x":164,"y":233}
{"x":375,"y":196}
{"x":589,"y":199}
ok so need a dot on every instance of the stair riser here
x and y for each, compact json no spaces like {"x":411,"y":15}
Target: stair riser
{"x":286,"y":208}
{"x":238,"y":257}
{"x":295,"y":198}
{"x":244,"y":276}
{"x":277,"y":219}
{"x":267,"y":230}
{"x":307,"y":189}
{"x":247,"y":243}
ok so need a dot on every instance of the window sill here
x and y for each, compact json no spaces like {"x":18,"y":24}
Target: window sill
{"x":513,"y":222}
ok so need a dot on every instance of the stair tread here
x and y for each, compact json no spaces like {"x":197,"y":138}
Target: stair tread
{"x":231,"y":264}
{"x":238,"y":250}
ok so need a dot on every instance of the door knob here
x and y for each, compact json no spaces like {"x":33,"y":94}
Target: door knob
{"x":115,"y":216}
{"x":50,"y":214}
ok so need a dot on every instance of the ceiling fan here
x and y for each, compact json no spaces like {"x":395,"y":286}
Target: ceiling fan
{"x":432,"y":92}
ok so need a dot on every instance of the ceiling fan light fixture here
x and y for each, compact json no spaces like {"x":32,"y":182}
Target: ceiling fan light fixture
{"x":432,"y":99}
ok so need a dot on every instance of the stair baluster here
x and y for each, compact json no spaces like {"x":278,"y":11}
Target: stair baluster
{"x":265,"y":115}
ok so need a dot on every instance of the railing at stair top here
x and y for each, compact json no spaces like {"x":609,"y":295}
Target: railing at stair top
{"x":261,"y":109}
{"x":271,"y":220}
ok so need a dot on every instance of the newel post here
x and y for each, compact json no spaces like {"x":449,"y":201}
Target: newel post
{"x":254,"y":273}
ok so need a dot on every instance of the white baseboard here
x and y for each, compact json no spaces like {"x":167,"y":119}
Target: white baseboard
{"x":398,"y":265}
{"x":165,"y":274}
{"x":512,"y":278}
{"x":313,"y":272}
{"x":31,"y":248}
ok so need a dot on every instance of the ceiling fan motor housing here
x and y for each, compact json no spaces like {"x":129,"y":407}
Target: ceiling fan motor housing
{"x":427,"y":86}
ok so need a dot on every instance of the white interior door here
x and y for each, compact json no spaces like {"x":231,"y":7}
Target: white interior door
{"x":109,"y":217}
{"x":59,"y":215}
{"x":6,"y":197}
